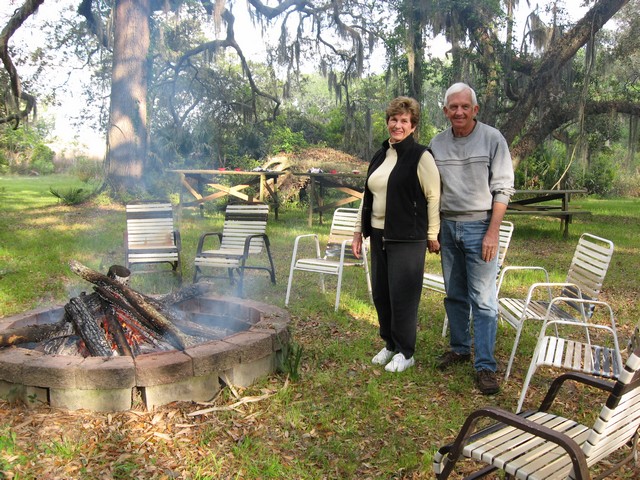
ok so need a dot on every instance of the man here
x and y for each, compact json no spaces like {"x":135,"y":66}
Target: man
{"x":477,"y":181}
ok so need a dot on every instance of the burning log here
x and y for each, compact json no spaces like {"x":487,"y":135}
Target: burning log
{"x":34,"y":333}
{"x":93,"y":336}
{"x":115,"y":319}
{"x":148,"y":308}
{"x":113,"y":327}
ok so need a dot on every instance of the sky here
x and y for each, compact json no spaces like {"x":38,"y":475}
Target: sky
{"x":93,"y":142}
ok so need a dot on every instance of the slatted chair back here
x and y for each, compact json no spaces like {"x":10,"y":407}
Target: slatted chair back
{"x":342,"y":228}
{"x":619,"y":419}
{"x":243,"y":237}
{"x":337,"y":253}
{"x":240,"y":221}
{"x":435,"y":282}
{"x":151,"y":236}
{"x":588,"y":268}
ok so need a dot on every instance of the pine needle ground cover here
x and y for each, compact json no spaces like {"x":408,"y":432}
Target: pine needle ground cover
{"x":334,"y":415}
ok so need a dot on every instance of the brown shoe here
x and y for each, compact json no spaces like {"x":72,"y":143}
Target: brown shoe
{"x":487,"y":382}
{"x":449,"y":358}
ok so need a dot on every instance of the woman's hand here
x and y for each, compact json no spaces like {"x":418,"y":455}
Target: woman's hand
{"x":356,"y":244}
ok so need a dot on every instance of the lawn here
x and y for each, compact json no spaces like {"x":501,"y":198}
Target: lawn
{"x":343,"y":418}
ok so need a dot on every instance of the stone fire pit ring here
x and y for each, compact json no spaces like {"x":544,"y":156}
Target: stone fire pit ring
{"x":119,"y":383}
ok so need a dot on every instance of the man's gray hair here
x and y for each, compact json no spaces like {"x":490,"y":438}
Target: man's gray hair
{"x":457,"y":88}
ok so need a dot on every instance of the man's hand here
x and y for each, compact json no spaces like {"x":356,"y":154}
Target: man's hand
{"x":490,"y":245}
{"x":434,"y":246}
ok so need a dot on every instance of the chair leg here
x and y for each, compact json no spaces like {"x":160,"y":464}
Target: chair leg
{"x":513,"y":350}
{"x":272,"y":271}
{"x":338,"y":290}
{"x":445,"y":325}
{"x":527,"y":379}
{"x":240,"y":288}
{"x":195,"y":274}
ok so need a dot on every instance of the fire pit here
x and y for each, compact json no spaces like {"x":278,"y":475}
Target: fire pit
{"x":255,"y":334}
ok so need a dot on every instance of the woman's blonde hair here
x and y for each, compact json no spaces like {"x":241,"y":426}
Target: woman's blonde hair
{"x":400,"y":105}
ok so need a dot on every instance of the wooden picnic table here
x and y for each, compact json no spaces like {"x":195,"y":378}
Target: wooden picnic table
{"x":351,"y":184}
{"x":195,"y":181}
{"x":536,"y":202}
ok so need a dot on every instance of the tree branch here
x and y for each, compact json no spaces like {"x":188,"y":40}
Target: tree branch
{"x":15,"y":22}
{"x":554,"y":58}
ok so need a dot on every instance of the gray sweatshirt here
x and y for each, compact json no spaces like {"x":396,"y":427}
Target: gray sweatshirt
{"x":475,"y":171}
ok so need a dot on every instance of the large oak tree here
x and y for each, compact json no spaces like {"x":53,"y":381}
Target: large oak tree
{"x":514,"y":85}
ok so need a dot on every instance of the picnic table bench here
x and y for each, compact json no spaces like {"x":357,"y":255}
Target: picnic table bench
{"x":537,"y":202}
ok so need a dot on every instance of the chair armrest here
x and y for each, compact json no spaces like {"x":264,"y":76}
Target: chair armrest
{"x":519,"y":422}
{"x":249,"y":238}
{"x":515,"y":268}
{"x":177,"y":239}
{"x":549,"y":286}
{"x":343,"y":248}
{"x":581,"y":302}
{"x":204,"y":236}
{"x":583,"y":378}
{"x":296,"y":244}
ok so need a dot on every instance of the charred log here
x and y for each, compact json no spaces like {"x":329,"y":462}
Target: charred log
{"x":86,"y":325}
{"x":114,"y":328}
{"x":149,"y":308}
{"x":34,"y":333}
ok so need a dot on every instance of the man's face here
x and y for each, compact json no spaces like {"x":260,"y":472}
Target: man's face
{"x":399,"y":127}
{"x":461,"y":112}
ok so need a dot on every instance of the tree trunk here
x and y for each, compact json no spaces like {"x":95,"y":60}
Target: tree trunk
{"x":127,"y":137}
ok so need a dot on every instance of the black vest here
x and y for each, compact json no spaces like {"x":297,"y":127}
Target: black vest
{"x":406,"y":211}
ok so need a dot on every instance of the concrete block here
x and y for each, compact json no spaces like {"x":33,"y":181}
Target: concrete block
{"x":106,"y":372}
{"x":108,"y":400}
{"x":245,"y":374}
{"x":213,"y":357}
{"x":57,"y":371}
{"x":197,"y":389}
{"x":161,"y":368}
{"x":12,"y":361}
{"x":253,"y":345}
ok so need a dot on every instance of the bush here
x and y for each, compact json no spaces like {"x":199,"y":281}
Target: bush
{"x":42,"y":159}
{"x":72,"y":196}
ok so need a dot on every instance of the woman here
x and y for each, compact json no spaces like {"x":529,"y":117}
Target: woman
{"x":400,"y":215}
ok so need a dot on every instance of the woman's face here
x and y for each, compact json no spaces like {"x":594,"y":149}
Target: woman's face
{"x":399,"y":127}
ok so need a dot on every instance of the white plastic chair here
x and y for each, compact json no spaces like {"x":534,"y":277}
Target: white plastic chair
{"x":435,"y":282}
{"x":584,"y":281}
{"x":569,"y":344}
{"x":337,"y":255}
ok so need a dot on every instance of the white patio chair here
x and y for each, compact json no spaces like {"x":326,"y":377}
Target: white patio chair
{"x":243,"y":236}
{"x":435,"y":282}
{"x":539,"y":445}
{"x":571,"y":344}
{"x":584,"y":281}
{"x":337,"y":254}
{"x":151,"y":237}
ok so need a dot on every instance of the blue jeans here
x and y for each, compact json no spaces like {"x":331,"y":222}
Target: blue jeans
{"x":470,"y":283}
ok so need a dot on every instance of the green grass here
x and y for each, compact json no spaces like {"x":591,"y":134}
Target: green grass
{"x":343,"y":418}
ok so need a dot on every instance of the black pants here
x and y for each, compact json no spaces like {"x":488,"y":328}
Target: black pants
{"x":397,"y":269}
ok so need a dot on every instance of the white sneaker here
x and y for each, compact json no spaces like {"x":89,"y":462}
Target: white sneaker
{"x":399,"y":364}
{"x":382,"y":357}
